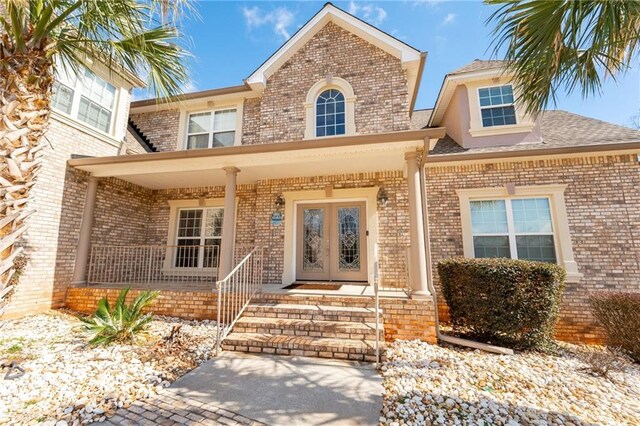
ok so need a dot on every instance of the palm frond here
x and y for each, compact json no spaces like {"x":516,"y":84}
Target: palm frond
{"x":570,"y":45}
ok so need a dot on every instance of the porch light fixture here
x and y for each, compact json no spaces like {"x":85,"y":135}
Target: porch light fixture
{"x":383,"y":198}
{"x":279,"y":202}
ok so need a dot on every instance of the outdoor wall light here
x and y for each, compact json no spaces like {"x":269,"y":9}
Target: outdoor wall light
{"x":279,"y":202}
{"x":383,"y":198}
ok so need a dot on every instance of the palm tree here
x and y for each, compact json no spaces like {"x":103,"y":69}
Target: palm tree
{"x":140,"y":37}
{"x":565,"y":44}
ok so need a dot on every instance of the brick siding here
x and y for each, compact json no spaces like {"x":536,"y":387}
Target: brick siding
{"x":603,"y":209}
{"x":58,"y":199}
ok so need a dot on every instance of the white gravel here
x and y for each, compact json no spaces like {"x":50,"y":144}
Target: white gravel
{"x":428,"y":384}
{"x":69,"y":382}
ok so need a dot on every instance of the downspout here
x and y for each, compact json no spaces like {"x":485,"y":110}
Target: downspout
{"x":427,"y":241}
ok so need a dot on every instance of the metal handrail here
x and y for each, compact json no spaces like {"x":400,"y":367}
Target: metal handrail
{"x":235,"y":292}
{"x":376,"y":291}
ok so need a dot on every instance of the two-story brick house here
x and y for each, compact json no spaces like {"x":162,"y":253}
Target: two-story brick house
{"x":321,"y":161}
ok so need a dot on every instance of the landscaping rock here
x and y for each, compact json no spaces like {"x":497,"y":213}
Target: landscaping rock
{"x":427,"y":384}
{"x":68,"y":382}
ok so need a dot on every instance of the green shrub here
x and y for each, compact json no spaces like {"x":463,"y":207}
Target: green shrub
{"x":619,"y":314}
{"x":503,"y":301}
{"x":122,"y":322}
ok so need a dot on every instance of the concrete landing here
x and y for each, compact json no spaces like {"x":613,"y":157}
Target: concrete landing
{"x":280,"y":390}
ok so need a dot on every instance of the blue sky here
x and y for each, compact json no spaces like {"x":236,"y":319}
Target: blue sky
{"x":233,"y":38}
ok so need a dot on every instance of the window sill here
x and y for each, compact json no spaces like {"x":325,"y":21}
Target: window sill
{"x":70,"y":121}
{"x":502,"y":130}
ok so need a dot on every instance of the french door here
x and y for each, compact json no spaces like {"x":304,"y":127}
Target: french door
{"x":331,"y":242}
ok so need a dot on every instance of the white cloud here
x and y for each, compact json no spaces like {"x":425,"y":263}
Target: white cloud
{"x":374,"y":15}
{"x":279,"y":19}
{"x":449,"y":19}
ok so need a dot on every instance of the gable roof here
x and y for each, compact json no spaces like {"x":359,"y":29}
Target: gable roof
{"x":560,"y":129}
{"x":478,"y":69}
{"x":411,"y":58}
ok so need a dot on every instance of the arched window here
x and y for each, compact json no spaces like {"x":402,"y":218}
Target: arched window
{"x":330,"y":113}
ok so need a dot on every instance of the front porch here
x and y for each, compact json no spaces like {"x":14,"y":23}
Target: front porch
{"x":340,"y":213}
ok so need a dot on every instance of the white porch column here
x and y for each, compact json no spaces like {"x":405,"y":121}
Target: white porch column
{"x":86,"y":226}
{"x":228,"y":222}
{"x":418,"y":257}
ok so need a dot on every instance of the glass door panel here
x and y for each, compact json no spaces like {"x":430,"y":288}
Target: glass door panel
{"x":313,"y":243}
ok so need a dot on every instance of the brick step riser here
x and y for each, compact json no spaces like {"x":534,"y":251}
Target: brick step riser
{"x":368,"y":355}
{"x":357,"y":302}
{"x":356,"y":334}
{"x":286,"y":314}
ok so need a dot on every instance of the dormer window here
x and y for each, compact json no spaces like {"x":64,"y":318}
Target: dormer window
{"x":330,"y":113}
{"x":211,"y":129}
{"x":497,"y":106}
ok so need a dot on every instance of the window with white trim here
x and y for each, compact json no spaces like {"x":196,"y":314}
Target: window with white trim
{"x":198,"y":237}
{"x":86,"y":97}
{"x":497,"y":105}
{"x":211,"y":129}
{"x":518,"y":228}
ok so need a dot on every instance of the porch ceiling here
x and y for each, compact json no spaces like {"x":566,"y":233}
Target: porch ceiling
{"x":204,"y":167}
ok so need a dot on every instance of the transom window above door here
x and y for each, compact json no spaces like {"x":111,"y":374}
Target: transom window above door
{"x":330,"y":113}
{"x":211,"y":129}
{"x":518,"y":228}
{"x":198,"y":237}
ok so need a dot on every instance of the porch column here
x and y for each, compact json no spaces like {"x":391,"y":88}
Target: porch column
{"x":418,"y":257}
{"x":228,"y":222}
{"x":84,"y":240}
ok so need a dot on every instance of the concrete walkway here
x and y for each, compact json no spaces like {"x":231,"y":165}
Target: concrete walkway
{"x":277,"y":390}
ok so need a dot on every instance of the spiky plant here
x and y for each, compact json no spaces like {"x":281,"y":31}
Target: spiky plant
{"x":566,"y":44}
{"x":122,"y":322}
{"x":139,"y":37}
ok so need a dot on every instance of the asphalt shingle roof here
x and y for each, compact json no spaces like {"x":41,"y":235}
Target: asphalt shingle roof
{"x":479,"y":65}
{"x":420,"y":118}
{"x":559,"y":129}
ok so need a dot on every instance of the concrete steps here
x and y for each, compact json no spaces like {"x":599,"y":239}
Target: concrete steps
{"x":274,"y":327}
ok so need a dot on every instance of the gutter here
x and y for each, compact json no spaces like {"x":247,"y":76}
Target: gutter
{"x":425,"y":216}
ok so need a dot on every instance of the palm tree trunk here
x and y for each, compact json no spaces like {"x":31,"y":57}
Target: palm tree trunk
{"x":26,"y":81}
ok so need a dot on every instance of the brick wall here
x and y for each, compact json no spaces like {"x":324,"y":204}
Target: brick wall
{"x":377,"y":78}
{"x":603,"y":209}
{"x":128,"y":214}
{"x":58,"y":199}
{"x":184,"y":304}
{"x":161,"y":127}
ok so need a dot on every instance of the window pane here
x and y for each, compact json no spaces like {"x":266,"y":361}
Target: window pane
{"x":498,"y":95}
{"x":498,"y":116}
{"x":532,"y":215}
{"x":62,"y":98}
{"x":211,"y":253}
{"x":94,"y":115}
{"x":198,"y":141}
{"x":187,"y":253}
{"x":536,"y":247}
{"x":200,"y":123}
{"x":98,"y":90}
{"x":330,"y":116}
{"x":491,"y":246}
{"x":489,"y":217}
{"x":213,"y":223}
{"x":224,"y":139}
{"x":189,"y":224}
{"x":224,"y":120}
